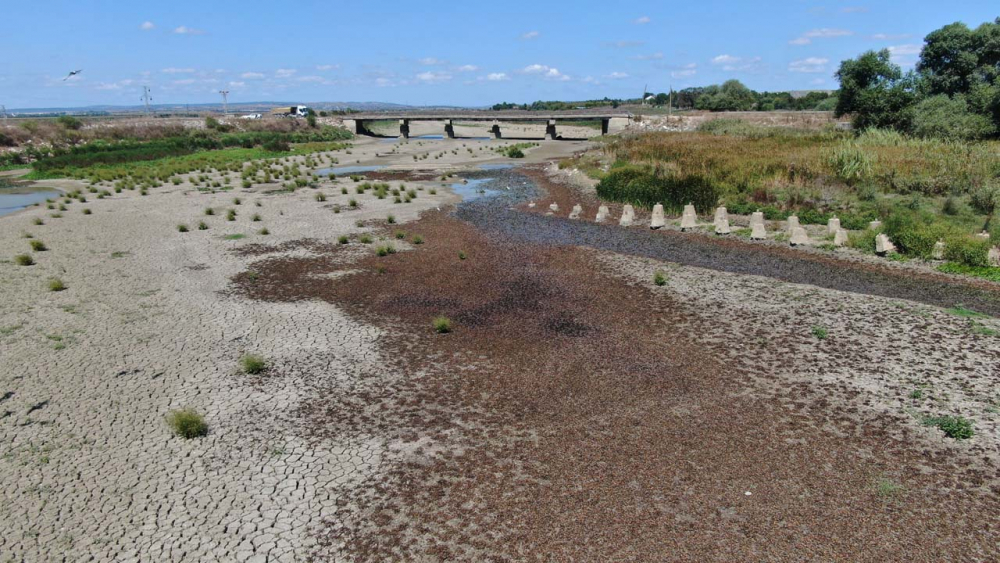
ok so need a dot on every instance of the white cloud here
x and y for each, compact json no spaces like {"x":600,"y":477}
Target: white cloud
{"x":173,"y":70}
{"x":497,"y":76}
{"x":433,"y":76}
{"x":284,"y":72}
{"x":650,"y":57}
{"x":642,"y":20}
{"x":617,"y":75}
{"x":905,"y":55}
{"x":730,"y":63}
{"x":184,"y":30}
{"x":625,"y":44}
{"x":146,"y":26}
{"x":530,"y":35}
{"x":252,"y":75}
{"x":889,"y":36}
{"x":548,"y":72}
{"x":822,"y":33}
{"x":327,"y":67}
{"x":810,"y":65}
{"x":467,"y":68}
{"x":905,"y":49}
{"x":725,"y":59}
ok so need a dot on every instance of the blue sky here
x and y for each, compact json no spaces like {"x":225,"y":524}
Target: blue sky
{"x":464,"y":53}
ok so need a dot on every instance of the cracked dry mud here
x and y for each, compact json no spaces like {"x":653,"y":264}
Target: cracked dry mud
{"x":576,"y":413}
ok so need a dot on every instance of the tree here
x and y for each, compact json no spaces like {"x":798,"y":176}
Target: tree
{"x":949,"y":118}
{"x":876,"y":92}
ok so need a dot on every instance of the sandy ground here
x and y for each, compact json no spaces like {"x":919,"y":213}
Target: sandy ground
{"x":515,"y":440}
{"x":144,"y":327}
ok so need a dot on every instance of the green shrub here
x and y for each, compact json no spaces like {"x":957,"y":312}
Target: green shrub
{"x":968,"y":251}
{"x":202,"y":226}
{"x":87,"y":211}
{"x":264,"y":231}
{"x":819,"y":332}
{"x":343,"y":239}
{"x":253,"y":364}
{"x":953,"y":426}
{"x":441,"y":325}
{"x":391,"y":219}
{"x":644,"y":186}
{"x":320,"y":197}
{"x":255,"y":217}
{"x":38,"y":246}
{"x":24,"y":260}
{"x":417,"y":239}
{"x":912,"y":236}
{"x":187,"y":423}
{"x":659,"y":278}
{"x":942,"y":117}
{"x":462,"y":255}
{"x":38,"y":221}
{"x":365,"y":239}
{"x":56,"y":284}
{"x":209,"y":211}
{"x":385,"y":250}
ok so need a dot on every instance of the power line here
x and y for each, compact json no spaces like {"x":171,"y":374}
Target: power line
{"x":225,"y":101}
{"x":146,"y":98}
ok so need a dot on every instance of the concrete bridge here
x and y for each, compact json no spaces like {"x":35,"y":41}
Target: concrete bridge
{"x":358,"y":123}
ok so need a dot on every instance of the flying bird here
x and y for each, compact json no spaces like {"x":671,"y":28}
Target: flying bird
{"x":72,"y":73}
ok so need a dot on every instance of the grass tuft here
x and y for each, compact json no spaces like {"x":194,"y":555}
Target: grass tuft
{"x":24,"y":260}
{"x":659,"y":278}
{"x":953,"y":426}
{"x":253,"y":364}
{"x":187,"y":423}
{"x":820,"y":332}
{"x":38,"y":246}
{"x":56,"y":284}
{"x":442,"y":325}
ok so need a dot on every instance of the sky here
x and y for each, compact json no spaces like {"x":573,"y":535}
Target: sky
{"x":433,"y":52}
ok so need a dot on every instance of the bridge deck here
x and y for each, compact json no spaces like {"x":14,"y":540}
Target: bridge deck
{"x":499,"y":116}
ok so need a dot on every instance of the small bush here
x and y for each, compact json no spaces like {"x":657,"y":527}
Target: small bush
{"x":255,"y":218}
{"x":187,"y":423}
{"x":819,"y":332}
{"x":400,"y":235}
{"x":968,"y":251}
{"x":253,"y":364}
{"x":56,"y":284}
{"x":231,"y":215}
{"x":659,"y":278}
{"x":38,"y":246}
{"x":343,"y":239}
{"x":38,"y":221}
{"x":441,"y":325}
{"x":209,"y":211}
{"x":385,"y":250}
{"x":953,"y":426}
{"x":24,"y":260}
{"x":417,"y":239}
{"x":353,"y":202}
{"x":365,"y":239}
{"x":461,"y":255}
{"x":182,"y":228}
{"x":87,"y":211}
{"x":264,"y":231}
{"x":390,"y":219}
{"x":320,"y":197}
{"x":202,"y":226}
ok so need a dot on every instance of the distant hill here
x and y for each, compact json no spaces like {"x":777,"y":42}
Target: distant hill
{"x":240,"y":107}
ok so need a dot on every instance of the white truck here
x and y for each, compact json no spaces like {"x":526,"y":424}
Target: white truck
{"x":290,"y":111}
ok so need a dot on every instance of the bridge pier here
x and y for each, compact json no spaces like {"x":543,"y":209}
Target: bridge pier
{"x":605,"y":124}
{"x":404,"y":128}
{"x":449,"y":129}
{"x":550,"y":130}
{"x":495,"y":130}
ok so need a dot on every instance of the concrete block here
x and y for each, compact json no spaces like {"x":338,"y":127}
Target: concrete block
{"x":840,"y":237}
{"x":757,"y":230}
{"x":689,"y":210}
{"x":792,"y":224}
{"x":983,"y":236}
{"x":628,"y":216}
{"x":602,"y":214}
{"x":883,"y":245}
{"x":657,"y":221}
{"x":874,"y":224}
{"x":938,"y":252}
{"x":576,"y":211}
{"x":756,"y":218}
{"x":833,"y":225}
{"x":994,"y":256}
{"x":799,"y":237}
{"x":720,"y":214}
{"x":554,"y":207}
{"x":722,"y":226}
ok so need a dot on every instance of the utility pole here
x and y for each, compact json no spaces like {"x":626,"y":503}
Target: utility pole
{"x":670,"y":101}
{"x":146,"y":98}
{"x":225,"y":101}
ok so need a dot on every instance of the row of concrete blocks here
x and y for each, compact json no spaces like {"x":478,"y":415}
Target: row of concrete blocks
{"x":797,"y":235}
